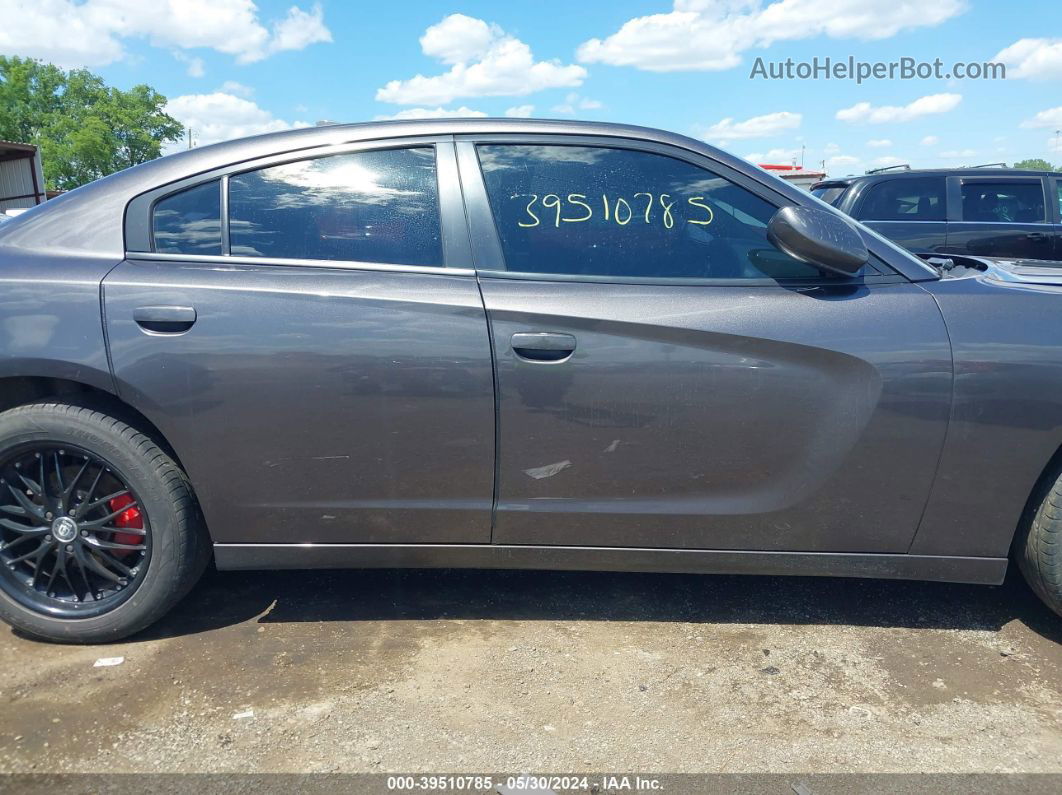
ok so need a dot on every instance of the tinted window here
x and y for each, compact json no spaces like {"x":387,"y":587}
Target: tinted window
{"x":594,"y":211}
{"x":189,"y":222}
{"x":380,"y":206}
{"x":914,"y":199}
{"x":994,"y":200}
{"x":829,"y":193}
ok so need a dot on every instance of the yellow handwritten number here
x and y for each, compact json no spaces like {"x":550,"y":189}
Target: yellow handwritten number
{"x":573,"y":198}
{"x":669,"y":220}
{"x":534,"y":198}
{"x":616,"y":211}
{"x":648,"y":205}
{"x":693,"y":200}
{"x":556,"y":203}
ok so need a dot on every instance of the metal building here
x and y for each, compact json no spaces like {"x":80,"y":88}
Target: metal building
{"x":21,"y":176}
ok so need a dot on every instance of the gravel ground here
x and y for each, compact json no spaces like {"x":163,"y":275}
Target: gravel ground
{"x":442,"y":671}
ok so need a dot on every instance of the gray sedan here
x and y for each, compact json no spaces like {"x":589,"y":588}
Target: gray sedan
{"x":503,"y":343}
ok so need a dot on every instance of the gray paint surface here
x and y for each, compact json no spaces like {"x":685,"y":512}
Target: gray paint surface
{"x":351,"y":403}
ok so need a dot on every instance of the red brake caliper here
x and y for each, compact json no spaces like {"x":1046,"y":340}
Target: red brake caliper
{"x":128,"y":518}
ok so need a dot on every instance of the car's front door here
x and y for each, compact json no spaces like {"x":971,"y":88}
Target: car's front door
{"x":1000,"y":217}
{"x":320,"y":372}
{"x":667,"y":378}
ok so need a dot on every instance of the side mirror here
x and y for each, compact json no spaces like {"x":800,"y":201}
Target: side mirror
{"x":819,"y":238}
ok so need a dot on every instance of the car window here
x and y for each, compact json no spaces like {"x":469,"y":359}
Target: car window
{"x":189,"y":222}
{"x":379,"y":206}
{"x":911,"y":199}
{"x":598,"y":211}
{"x":1000,"y":201}
{"x":1058,"y":184}
{"x":829,"y":193}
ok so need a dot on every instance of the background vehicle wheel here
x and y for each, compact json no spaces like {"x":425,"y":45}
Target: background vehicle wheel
{"x":1039,"y":547}
{"x":100,"y":533}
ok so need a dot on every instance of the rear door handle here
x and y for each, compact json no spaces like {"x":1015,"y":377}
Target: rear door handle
{"x":165,"y":319}
{"x":543,"y":346}
{"x":1036,"y":236}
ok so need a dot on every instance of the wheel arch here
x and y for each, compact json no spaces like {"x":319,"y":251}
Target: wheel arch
{"x":18,"y":390}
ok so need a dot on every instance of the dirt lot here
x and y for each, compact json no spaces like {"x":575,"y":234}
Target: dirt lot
{"x":515,"y":671}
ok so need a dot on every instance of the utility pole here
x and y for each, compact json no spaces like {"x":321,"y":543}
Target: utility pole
{"x":188,"y":132}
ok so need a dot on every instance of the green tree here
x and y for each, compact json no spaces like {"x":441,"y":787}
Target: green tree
{"x":85,"y":129}
{"x":1035,"y":164}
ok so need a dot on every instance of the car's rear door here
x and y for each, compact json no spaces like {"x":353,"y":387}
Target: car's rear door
{"x":308,"y":334}
{"x":666,"y":378}
{"x":1004,"y":216}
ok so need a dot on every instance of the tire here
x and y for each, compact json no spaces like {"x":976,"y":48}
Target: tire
{"x":1038,"y":548}
{"x":175,"y":545}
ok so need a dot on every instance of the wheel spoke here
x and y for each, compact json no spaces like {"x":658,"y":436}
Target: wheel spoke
{"x":22,"y":528}
{"x":32,"y":485}
{"x":136,"y":531}
{"x":58,"y":472}
{"x":97,"y":567}
{"x":107,"y":559}
{"x":73,"y":483}
{"x":42,"y":547}
{"x":84,"y":509}
{"x":99,"y":543}
{"x":79,"y":558}
{"x":99,"y":522}
{"x":27,"y":505}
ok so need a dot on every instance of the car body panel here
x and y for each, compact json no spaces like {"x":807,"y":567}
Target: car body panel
{"x":315,"y":404}
{"x":1006,"y":422}
{"x":719,"y":417}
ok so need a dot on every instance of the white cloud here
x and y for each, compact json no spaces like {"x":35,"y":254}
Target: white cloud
{"x":841,"y":161}
{"x":433,"y":113}
{"x":484,"y":62}
{"x":879,"y":143}
{"x":882,"y":114}
{"x":888,"y":160}
{"x":239,"y":89}
{"x":92,"y":33}
{"x":221,"y":117}
{"x":930,"y":140}
{"x":573,"y":103}
{"x":195,"y":65}
{"x":712,"y":34}
{"x":777,"y":156}
{"x":756,"y":127}
{"x":951,"y":154}
{"x":520,"y":111}
{"x":1051,"y":117}
{"x":1038,"y":59}
{"x":831,"y":148}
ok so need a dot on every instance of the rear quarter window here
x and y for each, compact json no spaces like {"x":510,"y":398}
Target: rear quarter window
{"x":188,"y":222}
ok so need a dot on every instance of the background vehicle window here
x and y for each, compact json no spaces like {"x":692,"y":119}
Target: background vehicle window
{"x":829,"y":193}
{"x":380,"y":206}
{"x":594,"y":211}
{"x":1014,"y":202}
{"x":914,"y":199}
{"x":189,"y":222}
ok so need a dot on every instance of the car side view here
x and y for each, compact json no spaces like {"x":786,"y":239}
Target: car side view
{"x":503,"y":343}
{"x":980,"y":211}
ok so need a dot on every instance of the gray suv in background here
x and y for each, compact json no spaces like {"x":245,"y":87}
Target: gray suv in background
{"x":987,"y":212}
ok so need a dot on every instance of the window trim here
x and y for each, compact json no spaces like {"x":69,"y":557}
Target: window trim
{"x":486,"y":242}
{"x":456,"y":253}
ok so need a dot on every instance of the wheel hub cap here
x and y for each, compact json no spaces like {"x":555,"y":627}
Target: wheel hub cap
{"x":64,"y":529}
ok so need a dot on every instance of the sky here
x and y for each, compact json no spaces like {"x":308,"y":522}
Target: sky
{"x":231,"y":68}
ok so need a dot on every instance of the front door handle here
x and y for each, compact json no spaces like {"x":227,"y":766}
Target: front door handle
{"x":165,"y":319}
{"x":1037,"y":236}
{"x":543,"y":346}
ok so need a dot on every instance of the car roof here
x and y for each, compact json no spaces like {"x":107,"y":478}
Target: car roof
{"x":92,"y":220}
{"x":934,"y":172}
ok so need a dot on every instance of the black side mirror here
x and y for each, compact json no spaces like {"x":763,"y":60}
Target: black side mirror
{"x":819,"y":238}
